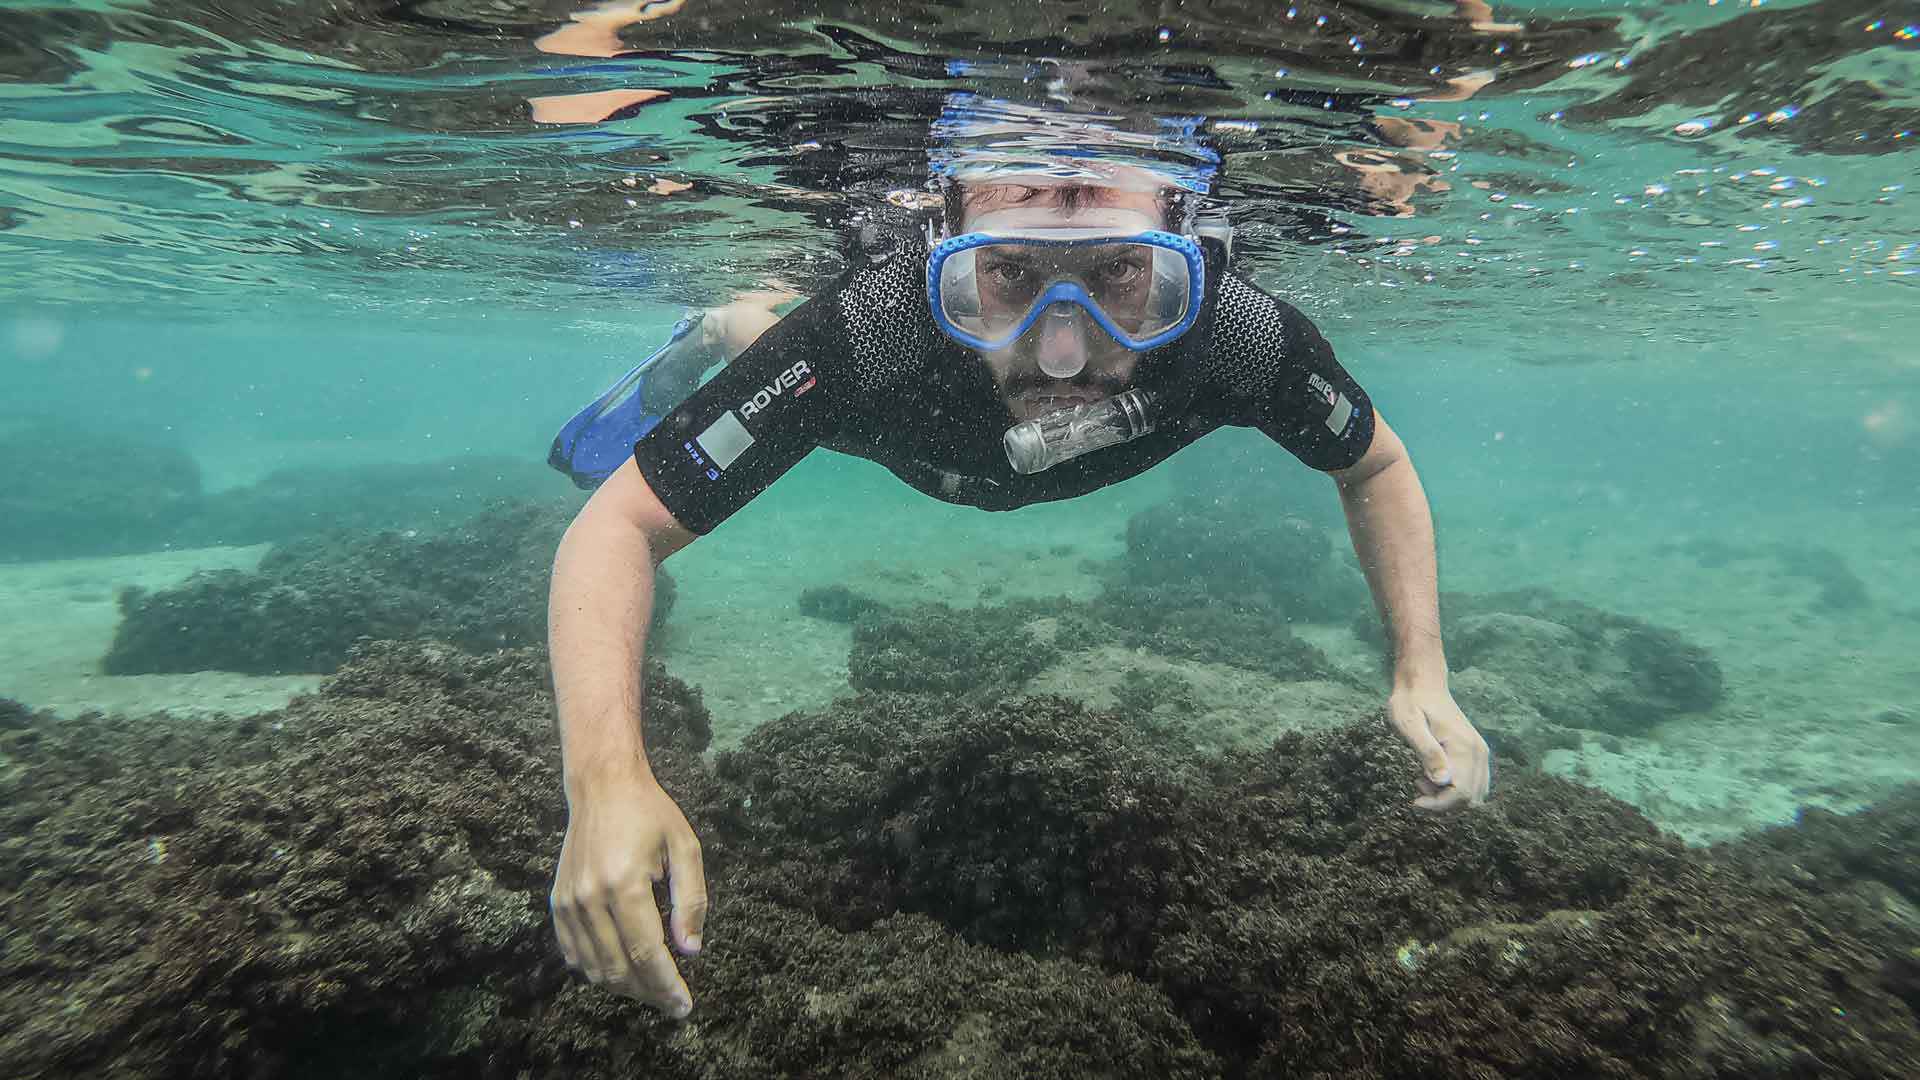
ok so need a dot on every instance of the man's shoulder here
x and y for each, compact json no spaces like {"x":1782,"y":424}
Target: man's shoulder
{"x":881,"y":311}
{"x":1255,"y":333}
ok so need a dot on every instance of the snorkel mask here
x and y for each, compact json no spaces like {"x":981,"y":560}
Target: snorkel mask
{"x":1116,"y":270}
{"x":989,"y":287}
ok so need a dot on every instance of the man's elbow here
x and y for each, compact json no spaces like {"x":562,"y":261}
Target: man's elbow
{"x":1383,"y":453}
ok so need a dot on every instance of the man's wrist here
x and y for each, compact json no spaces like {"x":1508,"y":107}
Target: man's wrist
{"x":1426,"y":673}
{"x":587,"y":779}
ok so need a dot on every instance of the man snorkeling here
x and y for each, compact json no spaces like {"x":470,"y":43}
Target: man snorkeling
{"x":1067,"y":321}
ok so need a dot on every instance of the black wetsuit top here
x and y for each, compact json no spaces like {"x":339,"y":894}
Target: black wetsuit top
{"x":864,"y":370}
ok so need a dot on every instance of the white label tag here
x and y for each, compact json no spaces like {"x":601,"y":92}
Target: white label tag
{"x":724,"y":441}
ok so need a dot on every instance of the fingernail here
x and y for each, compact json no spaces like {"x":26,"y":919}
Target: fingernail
{"x":681,"y":1007}
{"x":1444,"y":776}
{"x":693,"y":943}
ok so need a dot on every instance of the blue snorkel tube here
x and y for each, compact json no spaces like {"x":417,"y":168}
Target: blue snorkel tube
{"x":599,"y":439}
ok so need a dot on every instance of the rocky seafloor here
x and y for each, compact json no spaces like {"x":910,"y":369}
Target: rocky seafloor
{"x":947,"y":873}
{"x":908,"y":884}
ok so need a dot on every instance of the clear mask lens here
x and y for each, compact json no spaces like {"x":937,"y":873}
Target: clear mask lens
{"x":989,"y":291}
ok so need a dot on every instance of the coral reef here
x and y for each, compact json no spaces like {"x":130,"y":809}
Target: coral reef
{"x":907,"y":885}
{"x":480,"y":585}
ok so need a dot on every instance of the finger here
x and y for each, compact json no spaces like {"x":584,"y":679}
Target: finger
{"x":687,"y":889}
{"x":1428,"y":787}
{"x":564,"y":932}
{"x":606,"y":959}
{"x":1433,"y":756}
{"x":648,"y":963}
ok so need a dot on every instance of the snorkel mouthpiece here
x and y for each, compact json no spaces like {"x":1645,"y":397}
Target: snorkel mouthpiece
{"x":1038,"y":445}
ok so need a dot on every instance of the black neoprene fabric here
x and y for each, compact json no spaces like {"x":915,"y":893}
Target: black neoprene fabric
{"x":862,"y":369}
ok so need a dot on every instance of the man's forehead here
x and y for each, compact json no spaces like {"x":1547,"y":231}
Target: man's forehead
{"x":1015,"y":204}
{"x":1045,"y":193}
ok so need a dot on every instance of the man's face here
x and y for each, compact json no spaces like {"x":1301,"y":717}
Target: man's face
{"x":1064,"y":338}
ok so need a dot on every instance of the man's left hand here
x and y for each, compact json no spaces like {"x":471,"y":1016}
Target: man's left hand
{"x":1457,"y":767}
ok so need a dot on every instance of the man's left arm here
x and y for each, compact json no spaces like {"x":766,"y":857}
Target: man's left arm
{"x":1392,"y":530}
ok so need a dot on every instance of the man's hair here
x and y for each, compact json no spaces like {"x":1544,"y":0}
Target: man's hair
{"x":958,"y":197}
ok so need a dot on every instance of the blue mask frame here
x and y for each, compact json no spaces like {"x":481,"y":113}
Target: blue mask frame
{"x":1187,"y":247}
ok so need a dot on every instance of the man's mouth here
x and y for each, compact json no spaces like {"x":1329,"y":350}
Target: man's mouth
{"x":1050,"y":399}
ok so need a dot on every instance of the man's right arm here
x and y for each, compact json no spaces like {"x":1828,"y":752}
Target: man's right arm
{"x":623,"y":832}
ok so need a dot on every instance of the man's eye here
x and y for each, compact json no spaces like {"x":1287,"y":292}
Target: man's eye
{"x":1007,"y":273}
{"x":1122,"y":271}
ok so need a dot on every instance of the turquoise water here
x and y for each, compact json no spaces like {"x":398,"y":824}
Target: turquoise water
{"x":1642,"y":310}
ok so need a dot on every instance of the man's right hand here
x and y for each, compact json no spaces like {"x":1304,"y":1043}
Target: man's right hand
{"x":619,"y":842}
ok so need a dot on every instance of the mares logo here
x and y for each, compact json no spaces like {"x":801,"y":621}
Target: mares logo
{"x":1322,"y":388}
{"x":787,"y":380}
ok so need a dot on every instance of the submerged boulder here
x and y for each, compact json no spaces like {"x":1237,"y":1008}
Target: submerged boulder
{"x":1576,"y":665}
{"x":1242,"y":553}
{"x":479,"y":585}
{"x":1579,"y":665}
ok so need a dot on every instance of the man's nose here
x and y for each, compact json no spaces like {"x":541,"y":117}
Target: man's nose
{"x":1062,"y":351}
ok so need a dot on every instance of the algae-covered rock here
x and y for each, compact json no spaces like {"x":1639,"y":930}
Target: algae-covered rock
{"x":839,"y":604}
{"x":934,"y":648}
{"x":1307,"y":921}
{"x":990,"y":651}
{"x":357,"y":886}
{"x":312,"y":500}
{"x":905,"y":885}
{"x":1243,"y":552}
{"x":479,"y":585}
{"x":1577,"y":665}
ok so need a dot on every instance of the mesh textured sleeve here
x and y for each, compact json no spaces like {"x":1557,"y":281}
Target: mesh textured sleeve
{"x":1276,"y":373}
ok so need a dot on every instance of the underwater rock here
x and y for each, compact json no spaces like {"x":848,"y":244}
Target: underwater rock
{"x":839,"y":604}
{"x":118,"y":494}
{"x":1576,"y":665}
{"x":127,"y":495}
{"x":1241,"y":553}
{"x":903,"y":885}
{"x":1581,"y":666}
{"x":357,"y":885}
{"x":1188,"y":622}
{"x":479,"y":585}
{"x":1840,"y":589}
{"x":938,"y":649}
{"x":1307,"y":921}
{"x":988,"y":651}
